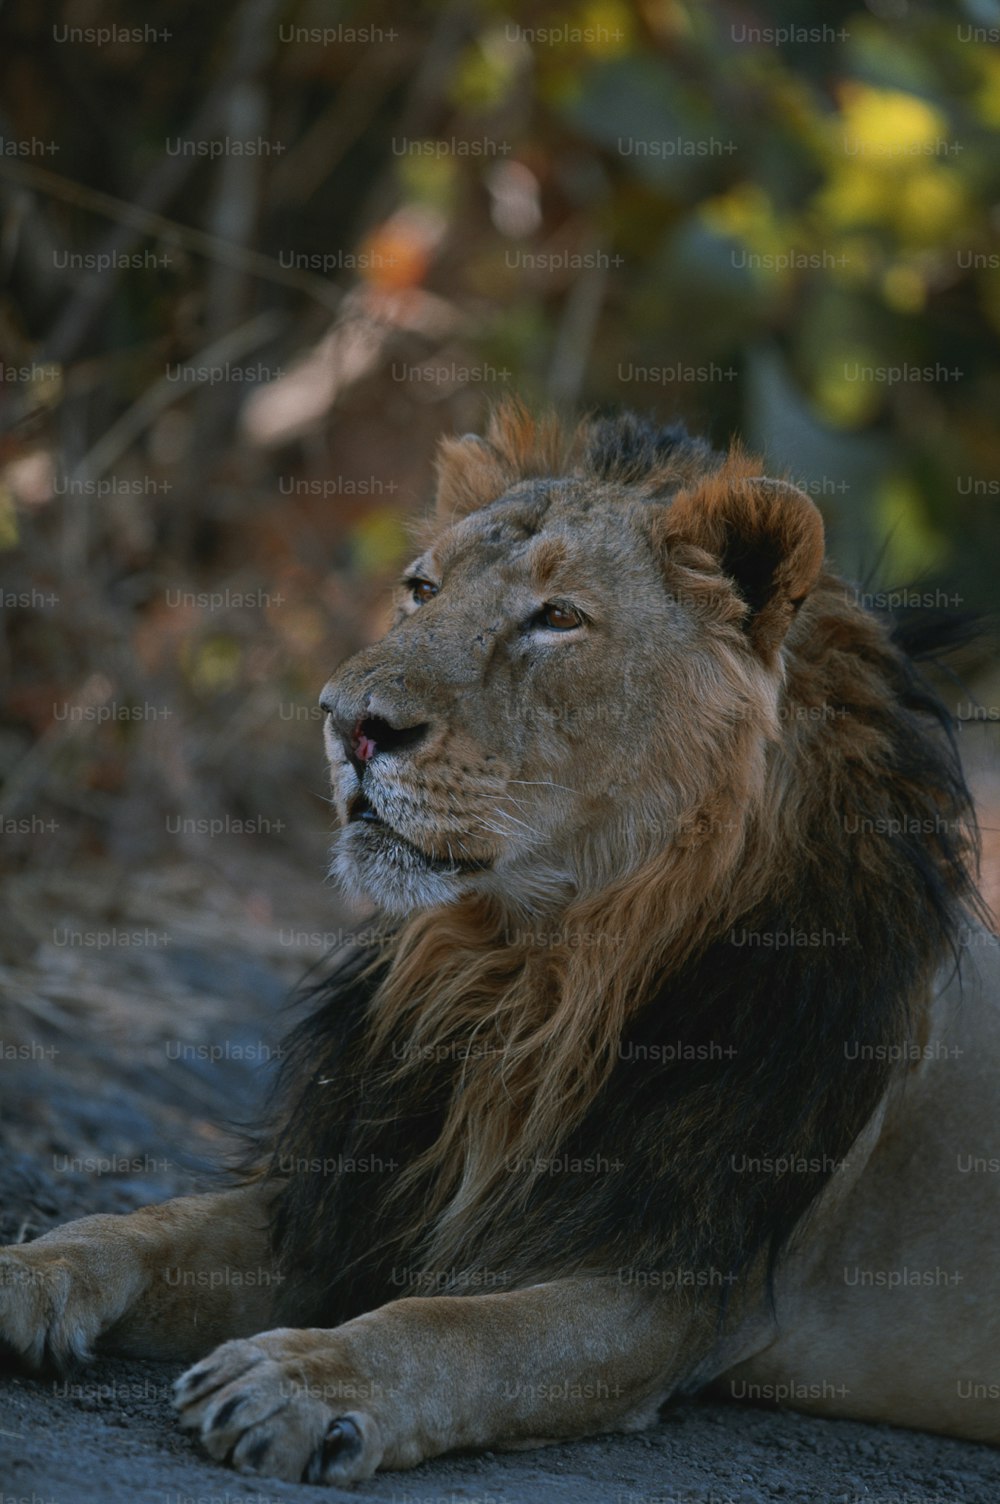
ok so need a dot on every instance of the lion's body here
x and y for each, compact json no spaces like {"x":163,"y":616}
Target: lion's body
{"x":890,"y":1310}
{"x":675,"y":1063}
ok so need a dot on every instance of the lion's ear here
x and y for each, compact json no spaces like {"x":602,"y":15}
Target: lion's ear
{"x":518,"y":445}
{"x":470,"y":473}
{"x":766,"y":535}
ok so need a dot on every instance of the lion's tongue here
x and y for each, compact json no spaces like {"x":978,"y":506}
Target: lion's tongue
{"x":362,"y":745}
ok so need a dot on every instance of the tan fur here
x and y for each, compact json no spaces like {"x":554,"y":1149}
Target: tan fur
{"x":473,"y":471}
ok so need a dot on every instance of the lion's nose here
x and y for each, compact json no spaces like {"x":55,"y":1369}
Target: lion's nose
{"x":375,"y":734}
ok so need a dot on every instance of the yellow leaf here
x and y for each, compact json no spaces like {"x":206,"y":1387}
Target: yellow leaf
{"x":843,"y":401}
{"x":378,"y":541}
{"x":914,"y":546}
{"x":885,"y":126}
{"x":904,"y":288}
{"x":9,"y":536}
{"x":607,"y":28}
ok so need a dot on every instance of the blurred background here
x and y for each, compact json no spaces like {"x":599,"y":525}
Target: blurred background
{"x":256,"y":257}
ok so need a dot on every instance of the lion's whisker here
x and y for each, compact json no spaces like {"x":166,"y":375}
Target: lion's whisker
{"x":502,"y":814}
{"x":542,"y":783}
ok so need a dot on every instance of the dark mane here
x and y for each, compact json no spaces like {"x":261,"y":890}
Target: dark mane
{"x":629,"y":449}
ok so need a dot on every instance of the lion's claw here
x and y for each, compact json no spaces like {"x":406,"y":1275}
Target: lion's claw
{"x":251,"y":1407}
{"x":342,"y":1443}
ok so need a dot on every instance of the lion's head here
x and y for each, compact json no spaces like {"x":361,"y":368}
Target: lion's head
{"x":583,"y":671}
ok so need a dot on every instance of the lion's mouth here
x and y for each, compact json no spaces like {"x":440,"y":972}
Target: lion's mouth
{"x":360,"y":807}
{"x":361,"y":811}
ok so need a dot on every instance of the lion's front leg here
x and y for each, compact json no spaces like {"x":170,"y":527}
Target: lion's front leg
{"x":169,"y":1281}
{"x":427,"y":1375}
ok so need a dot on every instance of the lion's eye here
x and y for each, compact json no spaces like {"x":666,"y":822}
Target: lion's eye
{"x":422,"y":590}
{"x":558,"y":618}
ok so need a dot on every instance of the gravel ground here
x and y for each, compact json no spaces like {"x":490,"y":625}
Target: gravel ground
{"x":108,"y":1435}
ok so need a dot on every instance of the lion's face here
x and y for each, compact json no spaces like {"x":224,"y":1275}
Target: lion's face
{"x":508,"y":710}
{"x":550,"y":708}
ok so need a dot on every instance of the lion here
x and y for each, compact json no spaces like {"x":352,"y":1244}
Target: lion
{"x":671,"y":1057}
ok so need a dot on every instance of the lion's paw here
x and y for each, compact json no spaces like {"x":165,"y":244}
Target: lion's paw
{"x":254,"y":1406}
{"x":52,"y":1308}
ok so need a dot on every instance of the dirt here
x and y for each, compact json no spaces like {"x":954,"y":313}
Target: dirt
{"x":121,"y":1064}
{"x":111,"y":1437}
